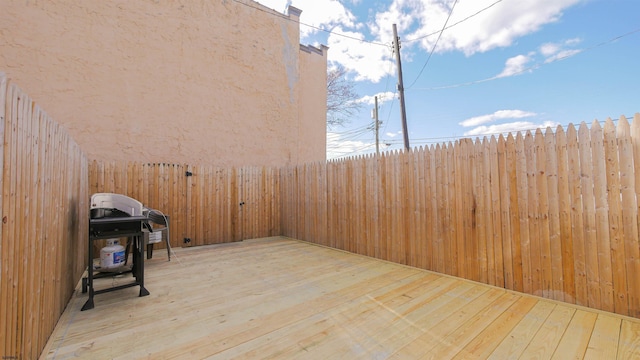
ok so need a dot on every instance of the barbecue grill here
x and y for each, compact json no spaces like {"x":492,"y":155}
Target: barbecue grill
{"x":115,"y":216}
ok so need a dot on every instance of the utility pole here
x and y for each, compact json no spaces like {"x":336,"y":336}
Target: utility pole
{"x":377,"y":127}
{"x":403,"y":113}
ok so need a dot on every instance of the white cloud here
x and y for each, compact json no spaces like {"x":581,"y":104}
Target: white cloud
{"x":562,"y":55}
{"x":324,"y":14}
{"x":392,"y":135}
{"x":368,"y":61}
{"x":514,"y":126}
{"x":498,"y":26}
{"x":550,"y":51}
{"x":515,"y":65}
{"x":558,"y":51}
{"x":509,"y":128}
{"x":382,"y":98}
{"x":574,"y":41}
{"x":397,"y":14}
{"x":498,"y":115}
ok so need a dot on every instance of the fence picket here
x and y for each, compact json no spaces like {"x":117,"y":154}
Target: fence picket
{"x":480,"y":215}
{"x":614,"y":216}
{"x":629,"y":212}
{"x":532,"y":150}
{"x":457,"y":154}
{"x":632,"y":243}
{"x":449,"y":228}
{"x":602,"y":221}
{"x":488,"y":245}
{"x":564,"y":218}
{"x":513,"y":236}
{"x":440,"y":220}
{"x":588,"y":203}
{"x":553,"y":209}
{"x":432,"y":209}
{"x":495,"y":157}
{"x":577,"y":217}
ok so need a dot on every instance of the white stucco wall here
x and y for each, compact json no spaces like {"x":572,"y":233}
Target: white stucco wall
{"x":186,"y":81}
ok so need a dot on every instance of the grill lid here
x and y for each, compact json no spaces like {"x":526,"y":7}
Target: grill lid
{"x":115,"y":205}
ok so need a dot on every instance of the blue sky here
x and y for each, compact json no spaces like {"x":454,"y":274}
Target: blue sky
{"x":499,"y":66}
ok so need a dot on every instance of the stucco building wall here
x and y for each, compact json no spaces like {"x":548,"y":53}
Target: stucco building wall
{"x":203,"y":81}
{"x":313,"y":101}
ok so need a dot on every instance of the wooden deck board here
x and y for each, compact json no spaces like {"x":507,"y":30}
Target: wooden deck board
{"x":604,"y":339}
{"x":284,"y":299}
{"x":544,"y":344}
{"x":576,"y":337}
{"x":517,"y":340}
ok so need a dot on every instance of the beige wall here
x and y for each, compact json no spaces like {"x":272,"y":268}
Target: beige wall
{"x":191,"y":81}
{"x":313,"y":101}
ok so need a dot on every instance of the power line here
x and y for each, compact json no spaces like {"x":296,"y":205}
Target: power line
{"x":350,"y":131}
{"x":454,"y":24}
{"x":359,"y":137}
{"x":389,"y":114}
{"x":353,"y":137}
{"x":346,"y":36}
{"x":393,"y":99}
{"x":536,"y":66}
{"x":434,"y":45}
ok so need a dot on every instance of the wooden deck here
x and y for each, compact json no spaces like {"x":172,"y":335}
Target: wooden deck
{"x":279,"y":298}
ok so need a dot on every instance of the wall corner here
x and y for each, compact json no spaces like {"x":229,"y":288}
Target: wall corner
{"x":294,"y":12}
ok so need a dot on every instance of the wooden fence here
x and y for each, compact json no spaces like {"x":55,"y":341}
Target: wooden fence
{"x":44,"y":223}
{"x":205,"y":204}
{"x":553,"y":213}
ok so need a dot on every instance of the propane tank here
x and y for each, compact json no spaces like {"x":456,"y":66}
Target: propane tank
{"x":112,"y":255}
